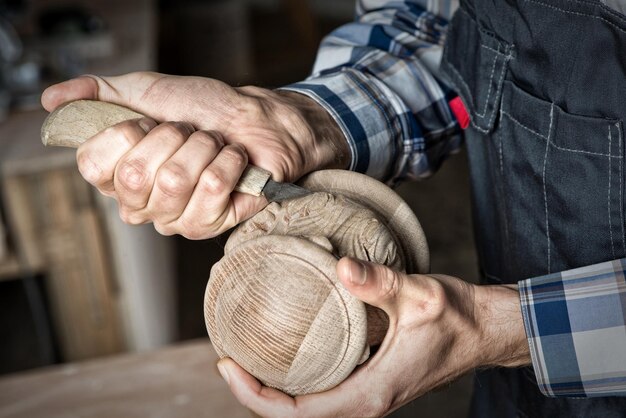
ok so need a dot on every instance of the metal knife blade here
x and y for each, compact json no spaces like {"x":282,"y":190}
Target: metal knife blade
{"x":275,"y":191}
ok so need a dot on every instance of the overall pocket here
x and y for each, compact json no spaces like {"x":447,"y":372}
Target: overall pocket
{"x":563,"y":181}
{"x":475,"y":61}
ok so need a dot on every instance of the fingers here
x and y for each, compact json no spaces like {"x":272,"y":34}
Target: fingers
{"x":415,"y":296}
{"x":210,"y":209}
{"x":170,"y":175}
{"x":177,"y":177}
{"x":205,"y":103}
{"x":374,"y":284}
{"x":265,"y":401}
{"x":135,"y":172}
{"x":79,"y":88}
{"x":126,"y":89}
{"x":97,"y":158}
{"x":353,"y":397}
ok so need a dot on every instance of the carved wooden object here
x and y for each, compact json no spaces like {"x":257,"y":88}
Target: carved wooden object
{"x":274,"y":303}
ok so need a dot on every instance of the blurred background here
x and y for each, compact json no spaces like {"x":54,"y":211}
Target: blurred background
{"x":77,"y":286}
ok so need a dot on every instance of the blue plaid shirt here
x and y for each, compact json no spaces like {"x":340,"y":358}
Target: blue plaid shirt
{"x":378,"y":78}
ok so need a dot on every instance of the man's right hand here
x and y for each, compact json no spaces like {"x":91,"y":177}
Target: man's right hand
{"x":180,"y":175}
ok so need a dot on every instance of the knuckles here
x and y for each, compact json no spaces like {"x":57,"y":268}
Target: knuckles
{"x":90,"y":171}
{"x":130,"y":217}
{"x":132,"y":174}
{"x":235,"y":156}
{"x":163,"y":229}
{"x":178,"y":131}
{"x":212,"y":183}
{"x":432,"y":300}
{"x":173,"y":180}
{"x":126,"y":133}
{"x":437,"y":299}
{"x":212,"y":139}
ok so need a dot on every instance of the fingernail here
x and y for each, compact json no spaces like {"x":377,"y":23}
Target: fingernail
{"x":358,"y":273}
{"x":147,"y":124}
{"x":223,"y":372}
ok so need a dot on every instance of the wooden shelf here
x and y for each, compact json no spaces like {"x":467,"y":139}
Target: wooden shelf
{"x":109,"y":285}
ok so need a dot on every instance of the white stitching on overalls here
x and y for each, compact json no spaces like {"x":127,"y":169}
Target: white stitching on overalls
{"x":621,"y":174}
{"x":493,"y":69}
{"x":597,"y":154}
{"x":522,"y":125}
{"x":494,"y":50}
{"x":545,"y":195}
{"x":609,"y":197}
{"x":469,"y":94}
{"x":458,"y":75}
{"x":506,"y":219}
{"x":577,"y":14}
{"x":500,"y":149}
{"x":602,"y":6}
{"x":502,"y":72}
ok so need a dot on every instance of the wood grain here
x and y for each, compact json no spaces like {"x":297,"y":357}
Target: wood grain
{"x":387,"y":204}
{"x":275,"y":306}
{"x":72,"y":124}
{"x":274,"y":303}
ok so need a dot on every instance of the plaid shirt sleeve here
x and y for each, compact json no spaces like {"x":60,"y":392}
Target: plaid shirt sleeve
{"x":575,"y":323}
{"x":377,"y":77}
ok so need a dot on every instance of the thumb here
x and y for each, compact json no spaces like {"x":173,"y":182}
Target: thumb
{"x":374,"y":284}
{"x":124,"y":90}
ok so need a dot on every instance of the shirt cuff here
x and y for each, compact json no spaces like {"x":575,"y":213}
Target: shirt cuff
{"x":575,"y":324}
{"x":369,"y":116}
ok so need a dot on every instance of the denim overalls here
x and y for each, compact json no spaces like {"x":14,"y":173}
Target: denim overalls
{"x":544,"y":82}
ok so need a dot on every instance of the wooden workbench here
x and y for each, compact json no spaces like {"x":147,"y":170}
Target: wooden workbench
{"x":179,"y":381}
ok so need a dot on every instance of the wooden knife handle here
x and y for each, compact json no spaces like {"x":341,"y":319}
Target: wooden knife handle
{"x":73,"y":123}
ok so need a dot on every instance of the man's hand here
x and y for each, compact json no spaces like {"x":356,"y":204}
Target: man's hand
{"x":439,"y":328}
{"x":180,"y":174}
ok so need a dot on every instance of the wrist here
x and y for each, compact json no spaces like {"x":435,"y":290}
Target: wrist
{"x":502,"y":337}
{"x":329,"y":146}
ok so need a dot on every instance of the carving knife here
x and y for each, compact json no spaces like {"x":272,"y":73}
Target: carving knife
{"x":73,"y":123}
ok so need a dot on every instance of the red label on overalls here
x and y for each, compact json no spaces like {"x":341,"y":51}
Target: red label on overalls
{"x":460,"y":112}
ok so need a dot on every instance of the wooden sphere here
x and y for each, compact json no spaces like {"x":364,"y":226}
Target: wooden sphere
{"x":274,"y":304}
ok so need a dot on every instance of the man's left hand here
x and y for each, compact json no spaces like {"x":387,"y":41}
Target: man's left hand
{"x":440,"y":327}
